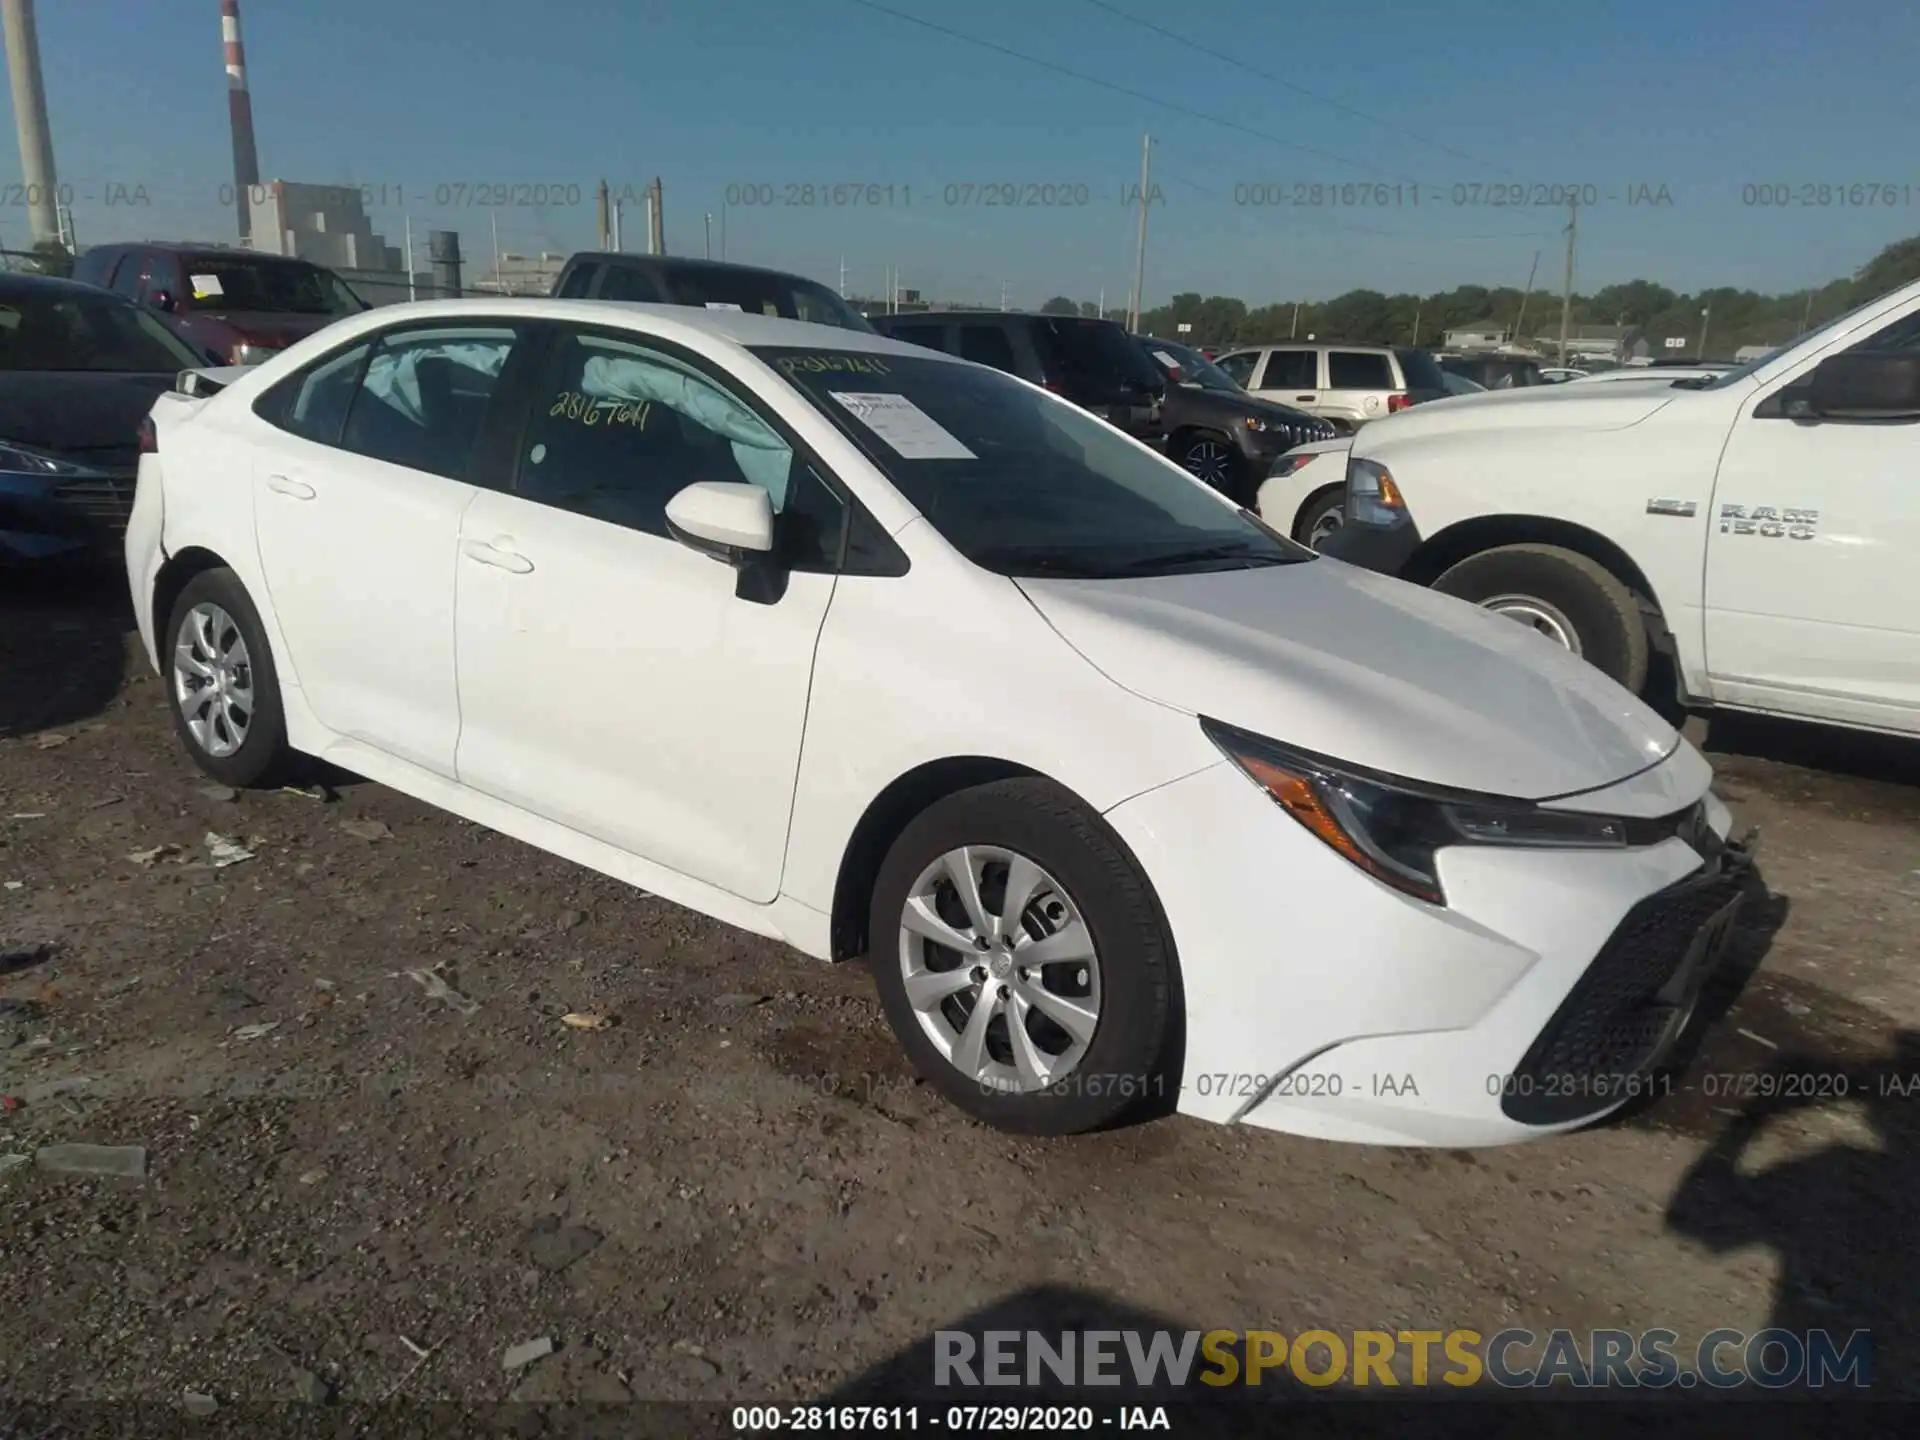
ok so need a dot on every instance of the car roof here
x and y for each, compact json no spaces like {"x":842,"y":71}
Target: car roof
{"x":945,"y":315}
{"x":668,"y":321}
{"x":627,"y":261}
{"x":1315,"y":345}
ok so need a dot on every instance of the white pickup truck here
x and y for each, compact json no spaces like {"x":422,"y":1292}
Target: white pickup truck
{"x":1761,"y":528}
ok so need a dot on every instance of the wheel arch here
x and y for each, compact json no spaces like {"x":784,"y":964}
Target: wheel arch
{"x":1311,"y":501}
{"x":889,"y":813}
{"x":174,"y":577}
{"x":1463,"y":539}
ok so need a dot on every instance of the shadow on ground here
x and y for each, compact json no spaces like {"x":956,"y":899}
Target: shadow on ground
{"x":64,"y":635}
{"x":1859,"y":753}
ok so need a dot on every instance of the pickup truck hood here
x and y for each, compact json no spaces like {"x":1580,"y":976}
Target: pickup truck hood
{"x":1565,"y":407}
{"x":1365,"y":669}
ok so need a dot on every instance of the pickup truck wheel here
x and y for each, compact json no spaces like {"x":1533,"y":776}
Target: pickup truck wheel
{"x":1564,"y":596}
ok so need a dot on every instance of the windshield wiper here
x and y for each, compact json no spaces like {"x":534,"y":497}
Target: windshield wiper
{"x":1199,"y":554}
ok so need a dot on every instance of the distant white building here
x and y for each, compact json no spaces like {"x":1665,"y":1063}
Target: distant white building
{"x":322,"y":223}
{"x":521,"y":274}
{"x":1748,"y":353}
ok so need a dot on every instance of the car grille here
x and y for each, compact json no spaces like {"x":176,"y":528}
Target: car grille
{"x":1623,"y":1009}
{"x":1304,"y":432}
{"x":104,"y":499}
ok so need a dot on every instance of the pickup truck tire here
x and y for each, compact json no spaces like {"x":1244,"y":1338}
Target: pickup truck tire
{"x":1566,"y":597}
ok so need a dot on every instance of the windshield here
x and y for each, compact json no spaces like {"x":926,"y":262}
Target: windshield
{"x":224,"y":282}
{"x":1734,"y":376}
{"x":760,"y":292}
{"x":1190,"y":367}
{"x":1022,"y":483}
{"x":72,"y":330}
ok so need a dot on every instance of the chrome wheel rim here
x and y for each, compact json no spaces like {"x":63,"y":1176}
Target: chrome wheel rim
{"x":1210,"y":461}
{"x":1000,"y":969}
{"x":1328,"y":522}
{"x":1537,"y":615}
{"x":213,"y":680}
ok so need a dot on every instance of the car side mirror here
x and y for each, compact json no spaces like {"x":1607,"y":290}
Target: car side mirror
{"x":729,"y":522}
{"x":1865,"y":385}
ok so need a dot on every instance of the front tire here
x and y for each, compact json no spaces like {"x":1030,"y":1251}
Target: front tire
{"x":1022,"y":961}
{"x":1212,"y":460}
{"x":1321,"y":516}
{"x":1566,"y":597}
{"x":221,"y":682}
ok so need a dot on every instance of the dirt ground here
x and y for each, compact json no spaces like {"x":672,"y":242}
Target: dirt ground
{"x":736,"y":1191}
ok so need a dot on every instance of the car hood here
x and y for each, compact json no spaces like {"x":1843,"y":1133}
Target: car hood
{"x":1571,"y":406}
{"x":1358,"y":667}
{"x":90,"y":416}
{"x":1223,"y":402}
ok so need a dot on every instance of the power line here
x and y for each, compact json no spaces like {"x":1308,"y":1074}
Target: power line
{"x":1126,"y":90}
{"x":1285,"y":83}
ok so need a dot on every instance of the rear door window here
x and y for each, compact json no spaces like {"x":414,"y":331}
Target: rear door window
{"x":424,"y":395}
{"x":1292,"y":370}
{"x":1358,"y":370}
{"x":314,"y":405}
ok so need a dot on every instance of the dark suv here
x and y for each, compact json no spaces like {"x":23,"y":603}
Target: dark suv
{"x":240,"y":305}
{"x":1495,"y":372}
{"x":714,"y":284}
{"x":1094,"y":363}
{"x":1217,"y":430}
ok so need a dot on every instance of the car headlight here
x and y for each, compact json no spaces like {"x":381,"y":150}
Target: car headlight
{"x":25,"y":460}
{"x":1257,"y":425}
{"x":1372,"y":497}
{"x":1392,"y":828}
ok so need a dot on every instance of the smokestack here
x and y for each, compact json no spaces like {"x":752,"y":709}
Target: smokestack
{"x":30,"y":115}
{"x":246,"y":164}
{"x":656,"y":222}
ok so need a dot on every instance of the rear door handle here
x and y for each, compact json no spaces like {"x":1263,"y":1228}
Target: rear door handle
{"x":486,"y":554}
{"x":298,"y":489}
{"x":1303,"y":397}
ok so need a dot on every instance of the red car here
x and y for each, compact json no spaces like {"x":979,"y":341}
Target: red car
{"x":239,"y":305}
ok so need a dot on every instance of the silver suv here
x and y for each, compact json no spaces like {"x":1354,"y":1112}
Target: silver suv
{"x":1347,"y":384}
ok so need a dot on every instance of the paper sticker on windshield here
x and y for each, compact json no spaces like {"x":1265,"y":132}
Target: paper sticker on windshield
{"x":206,"y":286}
{"x":1167,"y":360}
{"x":720,"y":305}
{"x":904,"y":426}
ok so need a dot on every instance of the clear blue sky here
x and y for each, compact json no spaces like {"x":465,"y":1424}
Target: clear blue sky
{"x":420,"y":96}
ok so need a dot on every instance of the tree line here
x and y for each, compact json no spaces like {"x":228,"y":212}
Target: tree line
{"x":1733,"y":318}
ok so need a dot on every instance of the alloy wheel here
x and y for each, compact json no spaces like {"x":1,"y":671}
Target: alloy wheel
{"x":1210,"y":461}
{"x":213,"y":679}
{"x":1000,"y":968}
{"x":1327,"y":522}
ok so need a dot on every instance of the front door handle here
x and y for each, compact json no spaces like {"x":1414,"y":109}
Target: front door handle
{"x":282,"y":485}
{"x":486,"y":554}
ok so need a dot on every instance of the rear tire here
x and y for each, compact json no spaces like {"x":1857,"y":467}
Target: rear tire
{"x":1090,"y":905}
{"x":1567,"y":597}
{"x":221,"y":683}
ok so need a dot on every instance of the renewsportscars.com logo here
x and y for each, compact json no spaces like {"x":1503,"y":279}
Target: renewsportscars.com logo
{"x":1513,"y":1359}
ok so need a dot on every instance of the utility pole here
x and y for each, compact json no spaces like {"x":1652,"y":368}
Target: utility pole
{"x":709,"y":234}
{"x":1103,"y":302}
{"x":30,"y":116}
{"x":617,"y":245}
{"x":1525,"y":295}
{"x":843,"y":277}
{"x":1416,"y":324}
{"x":1806,"y":320}
{"x":410,"y":291}
{"x":1140,"y":255}
{"x":1003,"y":297}
{"x":1706,"y":318}
{"x":1293,"y":330}
{"x":603,"y":227}
{"x":499,"y":283}
{"x":1566,"y":296}
{"x":656,"y":219}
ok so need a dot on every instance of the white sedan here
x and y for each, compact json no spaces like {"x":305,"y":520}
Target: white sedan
{"x":1127,"y":799}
